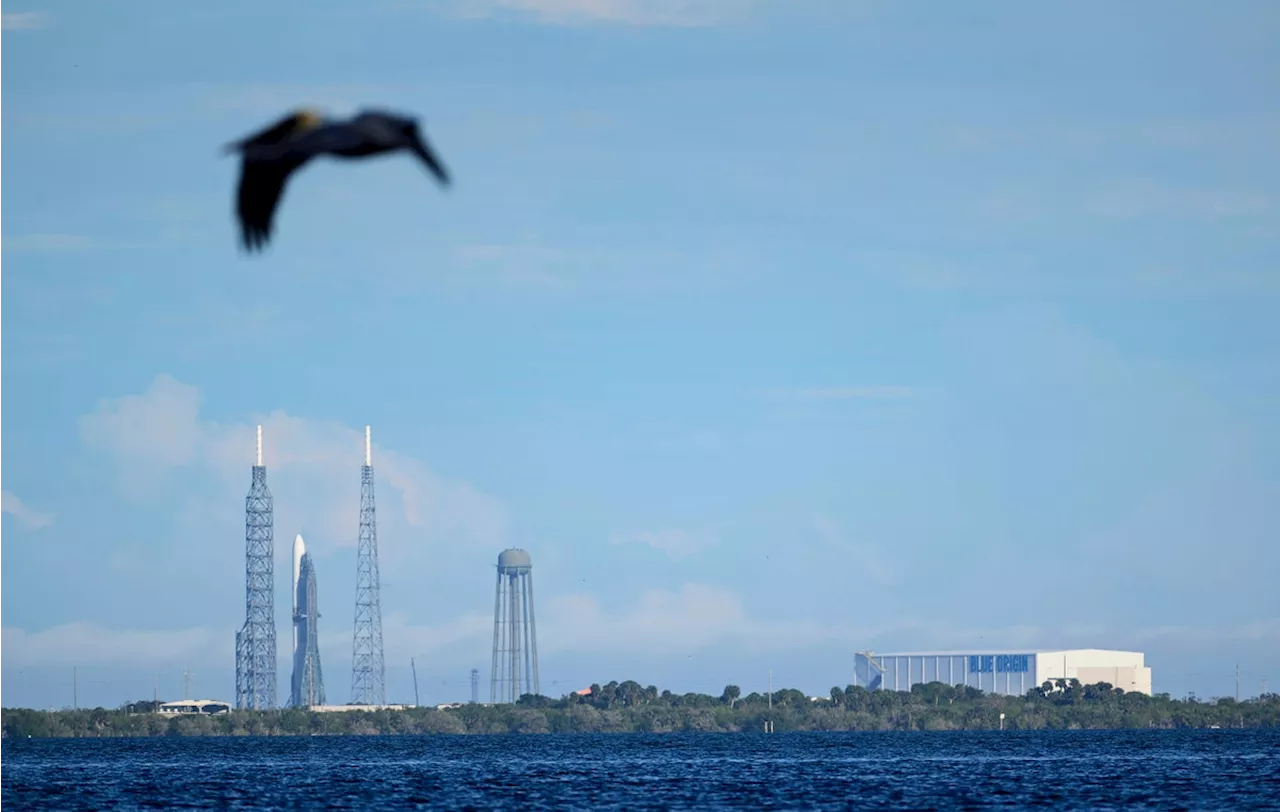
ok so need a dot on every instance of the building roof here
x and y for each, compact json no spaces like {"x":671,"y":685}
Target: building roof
{"x":982,"y":651}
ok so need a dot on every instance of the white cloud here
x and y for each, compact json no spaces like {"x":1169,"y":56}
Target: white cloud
{"x":660,"y":622}
{"x":83,"y":643}
{"x":24,"y":20}
{"x":315,"y":462}
{"x":673,"y":542}
{"x":12,"y":505}
{"x":861,"y":556}
{"x":160,"y":426}
{"x":666,"y":13}
{"x":401,"y":640}
{"x":666,"y":622}
{"x":839,"y":393}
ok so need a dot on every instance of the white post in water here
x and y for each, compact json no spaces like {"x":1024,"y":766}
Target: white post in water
{"x":768,"y":725}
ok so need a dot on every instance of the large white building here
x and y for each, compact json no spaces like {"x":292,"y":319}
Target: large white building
{"x":1001,"y":672}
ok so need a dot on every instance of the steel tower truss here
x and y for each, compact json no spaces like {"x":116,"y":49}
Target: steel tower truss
{"x":256,"y":640}
{"x":368,"y":670}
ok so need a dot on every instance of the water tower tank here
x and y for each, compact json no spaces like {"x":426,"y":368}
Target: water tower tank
{"x":514,"y":559}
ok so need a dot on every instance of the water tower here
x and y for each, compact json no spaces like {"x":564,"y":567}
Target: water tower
{"x":515,"y":636}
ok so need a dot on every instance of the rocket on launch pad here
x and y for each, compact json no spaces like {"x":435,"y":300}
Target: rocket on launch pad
{"x":307,"y":687}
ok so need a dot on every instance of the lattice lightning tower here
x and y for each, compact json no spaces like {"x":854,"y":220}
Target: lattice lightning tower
{"x":256,"y":640}
{"x":368,"y":670}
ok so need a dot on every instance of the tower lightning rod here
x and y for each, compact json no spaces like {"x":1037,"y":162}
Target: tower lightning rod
{"x":368,"y":448}
{"x":259,"y":446}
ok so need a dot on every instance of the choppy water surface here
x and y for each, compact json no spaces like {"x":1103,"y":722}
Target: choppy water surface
{"x":1218,"y":769}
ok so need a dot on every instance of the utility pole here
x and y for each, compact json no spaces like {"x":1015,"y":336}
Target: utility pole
{"x":768,"y":725}
{"x":1237,"y":682}
{"x":75,"y":687}
{"x":414,"y":667}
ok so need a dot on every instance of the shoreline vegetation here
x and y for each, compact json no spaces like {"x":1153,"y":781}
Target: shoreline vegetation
{"x":628,"y":707}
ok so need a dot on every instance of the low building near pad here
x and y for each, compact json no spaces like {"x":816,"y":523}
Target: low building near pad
{"x":1001,"y":672}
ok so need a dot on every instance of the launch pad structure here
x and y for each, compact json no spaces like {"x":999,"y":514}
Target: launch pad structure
{"x":256,"y":640}
{"x":368,"y":669}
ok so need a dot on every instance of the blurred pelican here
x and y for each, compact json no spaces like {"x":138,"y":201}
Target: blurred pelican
{"x":270,"y":156}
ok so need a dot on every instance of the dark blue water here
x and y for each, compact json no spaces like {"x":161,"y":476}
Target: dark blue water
{"x":1206,"y":769}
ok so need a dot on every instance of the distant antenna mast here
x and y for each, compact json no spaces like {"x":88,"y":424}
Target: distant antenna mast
{"x":412,"y":664}
{"x":186,"y":683}
{"x":475,"y":685}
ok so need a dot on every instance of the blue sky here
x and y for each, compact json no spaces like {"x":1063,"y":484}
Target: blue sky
{"x":771,"y":334}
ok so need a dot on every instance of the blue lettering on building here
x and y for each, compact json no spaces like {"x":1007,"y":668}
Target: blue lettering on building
{"x":999,"y":663}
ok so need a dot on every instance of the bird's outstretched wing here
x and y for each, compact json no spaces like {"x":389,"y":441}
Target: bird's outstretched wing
{"x":262,"y":185}
{"x":297,"y":122}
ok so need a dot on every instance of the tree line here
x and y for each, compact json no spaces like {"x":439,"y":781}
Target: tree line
{"x":628,"y":707}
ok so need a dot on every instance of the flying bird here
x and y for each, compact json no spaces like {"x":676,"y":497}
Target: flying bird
{"x":269,"y":157}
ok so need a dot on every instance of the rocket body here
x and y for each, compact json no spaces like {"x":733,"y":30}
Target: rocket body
{"x":299,"y":550}
{"x":307,"y":685}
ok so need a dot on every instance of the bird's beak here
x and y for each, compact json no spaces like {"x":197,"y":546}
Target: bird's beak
{"x":420,"y":148}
